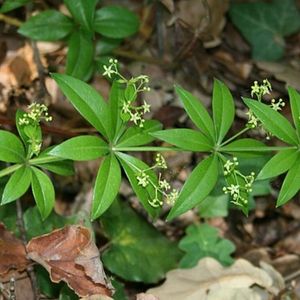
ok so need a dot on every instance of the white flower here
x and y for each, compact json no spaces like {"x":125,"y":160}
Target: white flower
{"x":164,"y":184}
{"x":135,"y":118}
{"x":108,"y":71}
{"x":146,"y":107}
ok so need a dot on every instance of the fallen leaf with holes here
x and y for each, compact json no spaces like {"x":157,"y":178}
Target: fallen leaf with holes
{"x":211,"y":281}
{"x":70,"y":255}
{"x":12,"y":253}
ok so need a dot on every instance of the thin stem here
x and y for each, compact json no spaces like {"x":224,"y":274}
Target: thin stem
{"x":9,"y":170}
{"x":235,"y":136}
{"x":147,"y":148}
{"x":10,"y":20}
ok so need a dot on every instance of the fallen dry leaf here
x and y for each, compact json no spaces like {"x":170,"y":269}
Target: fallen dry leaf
{"x":211,"y":281}
{"x":12,"y":252}
{"x":282,"y":72}
{"x":69,"y":254}
{"x":143,"y":296}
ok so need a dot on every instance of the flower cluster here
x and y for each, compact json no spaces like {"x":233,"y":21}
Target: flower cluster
{"x":277,"y":105}
{"x":134,"y":85}
{"x":238,"y":185}
{"x":37,"y":113}
{"x":259,"y":90}
{"x":162,"y":187}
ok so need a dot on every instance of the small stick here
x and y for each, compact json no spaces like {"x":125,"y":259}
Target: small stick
{"x":10,"y":21}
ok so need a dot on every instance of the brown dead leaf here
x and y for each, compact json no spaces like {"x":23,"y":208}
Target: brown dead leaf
{"x":169,"y":4}
{"x":69,"y":254}
{"x":144,"y":296}
{"x":282,"y":72}
{"x":12,"y":253}
{"x":211,"y":281}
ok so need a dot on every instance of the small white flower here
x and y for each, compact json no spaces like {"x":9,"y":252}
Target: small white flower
{"x":108,"y":71}
{"x":146,"y":107}
{"x":135,"y":118}
{"x":164,"y":184}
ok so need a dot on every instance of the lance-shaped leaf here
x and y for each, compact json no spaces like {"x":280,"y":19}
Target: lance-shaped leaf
{"x":291,"y":184}
{"x":82,"y":11}
{"x":197,"y":187}
{"x":11,"y":148}
{"x":50,"y":25}
{"x":9,"y":5}
{"x":223,"y":109}
{"x":134,"y":240}
{"x":70,"y":255}
{"x":115,"y":22}
{"x":80,"y":54}
{"x":106,"y":186}
{"x":197,"y":112}
{"x":132,"y":167}
{"x":43,"y":192}
{"x":186,"y":139}
{"x":86,"y":100}
{"x":246,"y":148}
{"x":17,"y":185}
{"x":135,"y":136}
{"x":12,"y":252}
{"x":295,"y":106}
{"x":83,"y":147}
{"x":202,"y":241}
{"x":278,"y":164}
{"x":273,"y":121}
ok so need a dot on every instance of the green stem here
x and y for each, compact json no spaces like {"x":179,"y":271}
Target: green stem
{"x":44,"y":160}
{"x":9,"y":170}
{"x":235,"y":136}
{"x":147,"y":148}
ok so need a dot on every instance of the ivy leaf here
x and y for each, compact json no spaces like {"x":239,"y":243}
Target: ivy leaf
{"x":264,"y":25}
{"x":50,"y":25}
{"x":132,"y":241}
{"x":202,"y":241}
{"x":115,"y":22}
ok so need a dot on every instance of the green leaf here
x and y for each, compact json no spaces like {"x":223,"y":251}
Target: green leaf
{"x":107,"y":185}
{"x":291,"y":184}
{"x":36,"y":226}
{"x":83,"y":147}
{"x":132,"y":241}
{"x":202,"y":241}
{"x":119,"y":293}
{"x":264,"y":25}
{"x":115,"y":22}
{"x":67,"y":294}
{"x":105,"y":45}
{"x":223,"y":109}
{"x":273,"y":121}
{"x":131,"y":166}
{"x":245,"y":148}
{"x":197,"y":112}
{"x":80,"y":54}
{"x":50,"y":25}
{"x":8,"y":216}
{"x":295,"y":106}
{"x":135,"y":136}
{"x":82,"y":11}
{"x":278,"y":164}
{"x":17,"y":185}
{"x":11,"y":148}
{"x":214,"y":206}
{"x":186,"y":139}
{"x":197,"y":187}
{"x":43,"y":192}
{"x":86,"y":100}
{"x":9,"y":5}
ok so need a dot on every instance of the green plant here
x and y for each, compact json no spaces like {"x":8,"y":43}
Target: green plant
{"x":81,"y":30}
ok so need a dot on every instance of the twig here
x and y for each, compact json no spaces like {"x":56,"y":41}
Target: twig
{"x":10,"y":20}
{"x":29,"y":270}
